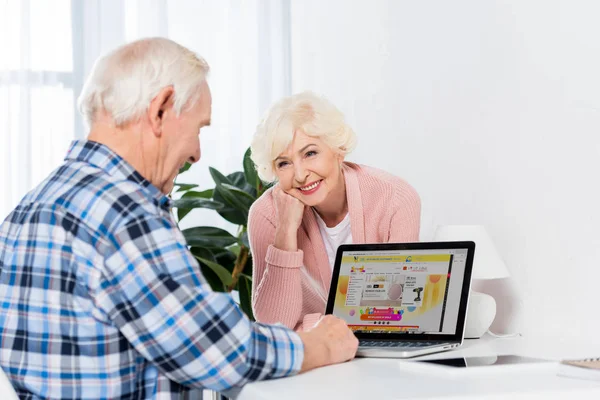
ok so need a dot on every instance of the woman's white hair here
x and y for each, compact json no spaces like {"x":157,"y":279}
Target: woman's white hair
{"x":124,"y":81}
{"x":307,"y":111}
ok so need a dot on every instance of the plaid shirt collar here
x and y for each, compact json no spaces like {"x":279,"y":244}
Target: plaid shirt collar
{"x":104,"y":158}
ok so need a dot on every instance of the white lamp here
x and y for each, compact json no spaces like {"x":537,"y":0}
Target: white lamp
{"x":487,"y":264}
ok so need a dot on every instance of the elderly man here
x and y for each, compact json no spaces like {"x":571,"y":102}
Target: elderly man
{"x":100,"y":297}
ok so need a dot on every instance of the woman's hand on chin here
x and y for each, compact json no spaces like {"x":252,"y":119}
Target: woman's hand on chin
{"x":289,"y":211}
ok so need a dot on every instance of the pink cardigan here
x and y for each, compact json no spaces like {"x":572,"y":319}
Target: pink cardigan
{"x":288,"y":287}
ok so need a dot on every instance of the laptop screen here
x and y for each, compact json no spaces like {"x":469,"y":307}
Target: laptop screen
{"x":401,"y":291}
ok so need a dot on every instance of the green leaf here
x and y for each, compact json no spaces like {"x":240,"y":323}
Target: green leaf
{"x":235,"y":198}
{"x":190,"y":203}
{"x":219,"y":177}
{"x":211,"y":277}
{"x":263,"y":187}
{"x":239,"y":180}
{"x":182,"y":187}
{"x":242,"y":195}
{"x":250,"y":170}
{"x":208,"y":236}
{"x":235,"y":249}
{"x":181,"y":213}
{"x":231,"y":214}
{"x":222,"y":256}
{"x":248,"y":267}
{"x":221,"y":271}
{"x":205,"y":194}
{"x":226,"y":258}
{"x":244,"y":239}
{"x":182,"y":210}
{"x":245,"y":288}
{"x":185,"y":167}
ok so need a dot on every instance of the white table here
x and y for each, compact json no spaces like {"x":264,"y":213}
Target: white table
{"x":375,"y":379}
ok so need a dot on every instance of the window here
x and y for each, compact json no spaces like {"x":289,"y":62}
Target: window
{"x":49,"y":47}
{"x":37,"y":100}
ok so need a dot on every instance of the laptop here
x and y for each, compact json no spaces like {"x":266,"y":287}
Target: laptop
{"x":403,"y":300}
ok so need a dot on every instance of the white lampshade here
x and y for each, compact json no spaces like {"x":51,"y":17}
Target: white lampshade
{"x":487,"y":263}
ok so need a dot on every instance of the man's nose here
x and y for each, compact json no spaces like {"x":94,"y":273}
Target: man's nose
{"x":195,"y":157}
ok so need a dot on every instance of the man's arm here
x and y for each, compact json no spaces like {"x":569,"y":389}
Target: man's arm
{"x":154,"y":293}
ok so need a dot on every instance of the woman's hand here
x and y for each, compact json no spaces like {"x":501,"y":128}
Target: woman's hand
{"x":289,"y":213}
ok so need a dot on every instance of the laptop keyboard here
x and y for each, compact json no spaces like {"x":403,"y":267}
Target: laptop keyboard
{"x":397,"y":344}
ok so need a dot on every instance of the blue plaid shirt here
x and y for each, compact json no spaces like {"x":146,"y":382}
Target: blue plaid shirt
{"x":100,"y":297}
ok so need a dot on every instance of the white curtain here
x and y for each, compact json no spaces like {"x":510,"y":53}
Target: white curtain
{"x":48,"y":48}
{"x":36,"y":92}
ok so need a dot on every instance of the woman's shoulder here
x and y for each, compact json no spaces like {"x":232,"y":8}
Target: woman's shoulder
{"x":263,"y":207}
{"x":367,"y":175}
{"x":378,"y":183}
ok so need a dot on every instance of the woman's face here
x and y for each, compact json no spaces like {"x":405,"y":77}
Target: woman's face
{"x":309,"y":169}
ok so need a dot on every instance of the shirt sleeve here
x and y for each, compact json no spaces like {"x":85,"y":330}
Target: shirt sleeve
{"x":153,"y":291}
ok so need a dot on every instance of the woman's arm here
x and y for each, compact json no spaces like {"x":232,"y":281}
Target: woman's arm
{"x":276,"y":275}
{"x":405,"y":223}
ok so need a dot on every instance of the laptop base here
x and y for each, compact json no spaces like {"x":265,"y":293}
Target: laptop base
{"x":403,"y":352}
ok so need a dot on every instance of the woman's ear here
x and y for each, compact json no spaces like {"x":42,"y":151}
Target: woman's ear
{"x":159,"y":105}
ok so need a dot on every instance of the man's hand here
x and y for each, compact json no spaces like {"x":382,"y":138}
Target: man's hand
{"x":329,"y":342}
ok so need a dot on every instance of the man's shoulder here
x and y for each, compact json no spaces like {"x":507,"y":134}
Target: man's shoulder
{"x":93,"y":197}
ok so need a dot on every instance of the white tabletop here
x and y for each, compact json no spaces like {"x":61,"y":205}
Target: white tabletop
{"x":369,"y":378}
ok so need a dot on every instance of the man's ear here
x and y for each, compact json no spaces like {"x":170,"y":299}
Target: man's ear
{"x":159,"y":105}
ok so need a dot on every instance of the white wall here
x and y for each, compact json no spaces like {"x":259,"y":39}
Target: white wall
{"x":246,"y":45}
{"x":491,"y":109}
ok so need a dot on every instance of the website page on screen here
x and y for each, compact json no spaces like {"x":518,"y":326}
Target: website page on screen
{"x":403,"y":291}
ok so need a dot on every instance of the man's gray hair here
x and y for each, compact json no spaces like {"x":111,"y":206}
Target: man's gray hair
{"x":124,"y":81}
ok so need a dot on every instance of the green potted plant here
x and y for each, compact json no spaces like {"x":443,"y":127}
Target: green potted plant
{"x":225,"y":260}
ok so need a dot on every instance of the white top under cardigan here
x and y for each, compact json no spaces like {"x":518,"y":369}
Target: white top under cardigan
{"x":335,"y":236}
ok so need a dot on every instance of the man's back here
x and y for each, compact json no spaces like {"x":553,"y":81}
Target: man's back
{"x":100,"y":297}
{"x":52,"y":249}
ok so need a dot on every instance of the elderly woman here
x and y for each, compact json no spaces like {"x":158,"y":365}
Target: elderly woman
{"x":319,"y":202}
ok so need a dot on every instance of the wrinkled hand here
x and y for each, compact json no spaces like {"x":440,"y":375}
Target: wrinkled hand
{"x":289,"y":212}
{"x":329,"y":342}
